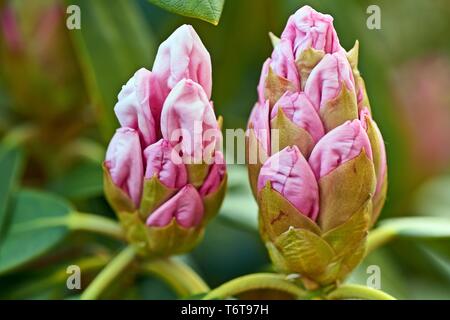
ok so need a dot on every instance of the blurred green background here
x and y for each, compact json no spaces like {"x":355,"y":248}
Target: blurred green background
{"x":58,"y":88}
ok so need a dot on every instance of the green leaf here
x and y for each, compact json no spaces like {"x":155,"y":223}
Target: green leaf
{"x":83,"y":181}
{"x":207,"y":10}
{"x":10,"y":170}
{"x":38,"y":223}
{"x":113,"y":43}
{"x":419,"y":227}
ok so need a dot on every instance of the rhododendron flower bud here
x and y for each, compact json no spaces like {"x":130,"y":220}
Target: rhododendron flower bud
{"x":164,"y":201}
{"x":320,"y":194}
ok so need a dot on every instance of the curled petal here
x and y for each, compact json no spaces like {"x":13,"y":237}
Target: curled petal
{"x":259,"y":122}
{"x":283,"y":62}
{"x":215,"y":175}
{"x":326,"y":79}
{"x":308,"y":28}
{"x":380,"y":159}
{"x":290,"y":175}
{"x":338,"y":146}
{"x":133,"y":108}
{"x":164,"y":162}
{"x":188,"y":120}
{"x":186,"y":207}
{"x":262,"y":80}
{"x":124,"y":162}
{"x":183,"y":56}
{"x":298,"y":108}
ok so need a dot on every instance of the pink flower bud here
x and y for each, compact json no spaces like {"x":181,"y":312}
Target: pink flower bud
{"x":10,"y":29}
{"x":183,"y":56}
{"x":283,"y":62}
{"x":298,"y":108}
{"x":124,"y":162}
{"x":186,"y":207}
{"x":134,"y":108}
{"x":338,"y":146}
{"x":164,"y":163}
{"x":188,"y":120}
{"x":215,"y":175}
{"x":308,"y":28}
{"x":325,"y":81}
{"x":289,"y":174}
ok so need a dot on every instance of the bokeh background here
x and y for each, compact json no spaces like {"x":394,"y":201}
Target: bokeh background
{"x":58,"y":88}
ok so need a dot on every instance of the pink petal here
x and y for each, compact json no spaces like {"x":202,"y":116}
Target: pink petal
{"x":289,"y":174}
{"x":325,"y":81}
{"x":186,"y":207}
{"x":183,"y":56}
{"x":338,"y":146}
{"x":188,"y":121}
{"x":124,"y":162}
{"x":133,"y":108}
{"x":259,"y":119}
{"x":283,"y":62}
{"x":297,"y":107}
{"x":308,"y":28}
{"x":215,"y":175}
{"x":166,"y":164}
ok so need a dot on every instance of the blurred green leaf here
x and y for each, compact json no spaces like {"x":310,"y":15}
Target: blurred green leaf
{"x":418,"y":227}
{"x":239,"y":207}
{"x":114,"y":41}
{"x":433,"y":198}
{"x":207,"y":10}
{"x":37,"y":224}
{"x":10,"y":169}
{"x":83,"y":181}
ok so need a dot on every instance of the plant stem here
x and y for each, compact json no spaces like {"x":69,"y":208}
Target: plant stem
{"x":95,"y":223}
{"x":354,"y":291}
{"x":114,"y":268}
{"x":183,"y":280}
{"x":254,"y":282}
{"x":379,"y":237}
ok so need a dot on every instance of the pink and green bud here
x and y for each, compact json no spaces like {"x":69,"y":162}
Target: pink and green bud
{"x":320,"y":194}
{"x":163,"y":176}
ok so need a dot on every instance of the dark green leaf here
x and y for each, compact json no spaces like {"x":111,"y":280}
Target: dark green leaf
{"x":10,"y":169}
{"x":207,"y":10}
{"x":37,"y":224}
{"x":84,"y":181}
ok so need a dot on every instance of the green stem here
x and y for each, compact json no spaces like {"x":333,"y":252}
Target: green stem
{"x":109,"y":274}
{"x":95,"y":223}
{"x":379,"y":237}
{"x":183,"y":280}
{"x":354,"y":291}
{"x":254,"y":282}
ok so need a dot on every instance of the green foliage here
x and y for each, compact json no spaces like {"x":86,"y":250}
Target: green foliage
{"x":207,"y":10}
{"x":10,"y":170}
{"x":38,"y":223}
{"x":113,"y":43}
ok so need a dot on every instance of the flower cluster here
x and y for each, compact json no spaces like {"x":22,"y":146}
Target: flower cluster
{"x":164,"y":176}
{"x":320,"y":176}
